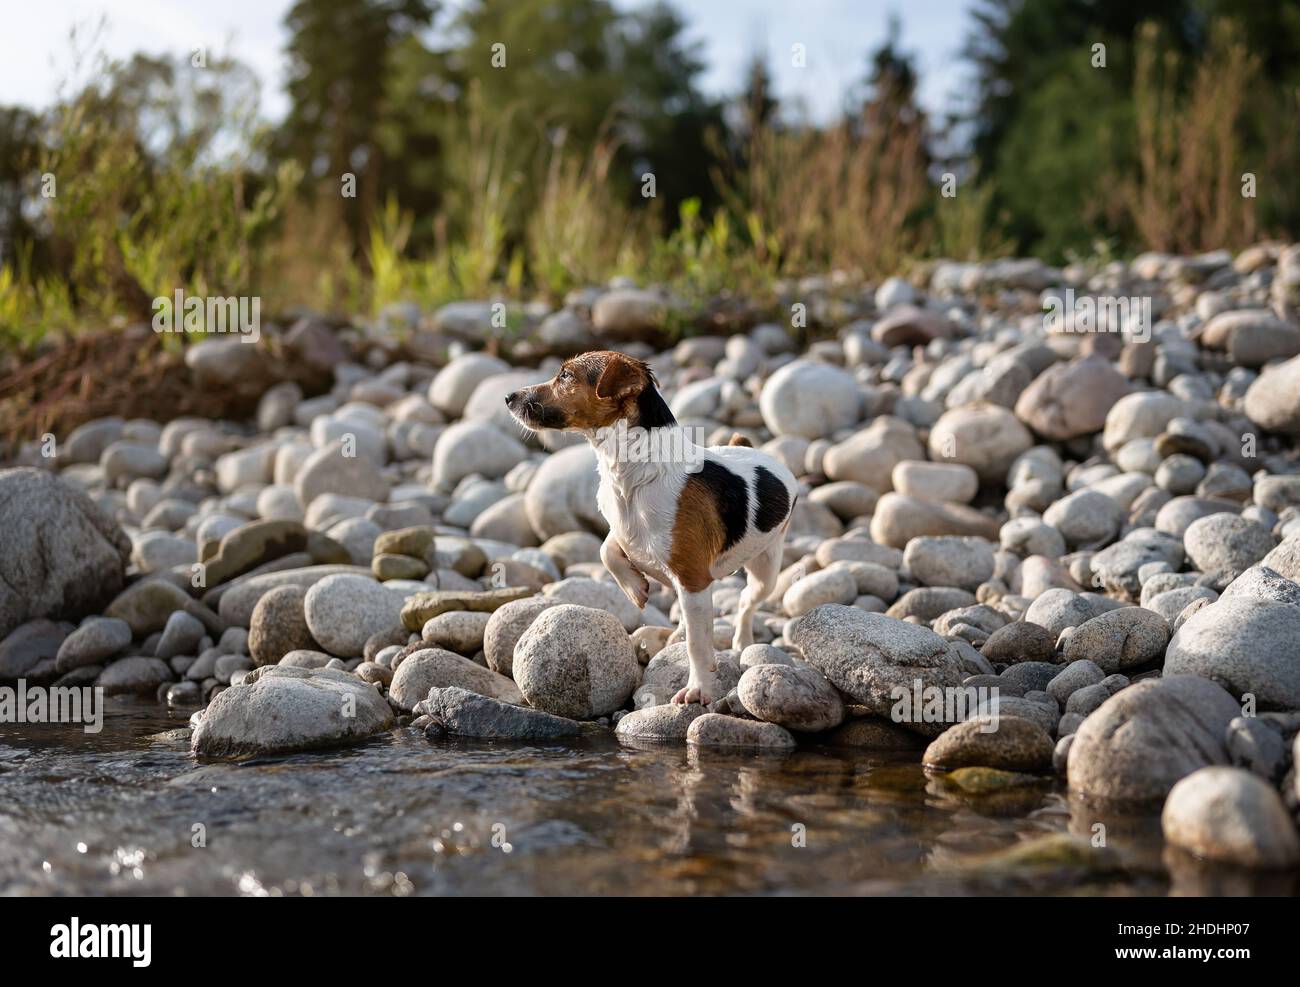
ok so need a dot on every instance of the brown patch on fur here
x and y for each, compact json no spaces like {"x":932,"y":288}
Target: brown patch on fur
{"x":593,"y":390}
{"x":698,"y":535}
{"x":739,"y":440}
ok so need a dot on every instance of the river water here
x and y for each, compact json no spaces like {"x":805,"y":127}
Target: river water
{"x":128,"y":811}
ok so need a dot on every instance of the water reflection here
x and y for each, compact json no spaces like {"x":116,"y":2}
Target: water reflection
{"x":128,"y":811}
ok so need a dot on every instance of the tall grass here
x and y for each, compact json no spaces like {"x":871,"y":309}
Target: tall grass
{"x":1187,"y":195}
{"x":579,"y":231}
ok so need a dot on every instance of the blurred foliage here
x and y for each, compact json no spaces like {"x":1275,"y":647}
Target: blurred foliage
{"x":530,"y":147}
{"x":1058,"y":136}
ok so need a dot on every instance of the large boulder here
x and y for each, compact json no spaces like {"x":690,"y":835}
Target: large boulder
{"x":879,"y":661}
{"x":562,"y":495}
{"x":1071,"y":399}
{"x":576,"y":662}
{"x":1231,"y":816}
{"x":343,"y":611}
{"x":1247,"y":645}
{"x":795,"y":696}
{"x":1147,"y":737}
{"x":810,"y":399}
{"x":60,"y":556}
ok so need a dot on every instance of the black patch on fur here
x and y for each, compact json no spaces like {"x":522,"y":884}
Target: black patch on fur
{"x":651,"y":409}
{"x":773,"y":500}
{"x":731,"y":494}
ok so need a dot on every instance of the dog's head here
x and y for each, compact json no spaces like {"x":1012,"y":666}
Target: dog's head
{"x":591,"y":392}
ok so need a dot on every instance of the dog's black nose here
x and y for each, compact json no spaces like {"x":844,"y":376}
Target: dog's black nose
{"x":511,"y":398}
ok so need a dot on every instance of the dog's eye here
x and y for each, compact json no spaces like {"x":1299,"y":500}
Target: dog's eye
{"x":565,"y":377}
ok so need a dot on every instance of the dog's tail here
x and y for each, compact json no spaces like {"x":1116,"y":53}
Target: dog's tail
{"x":739,"y":440}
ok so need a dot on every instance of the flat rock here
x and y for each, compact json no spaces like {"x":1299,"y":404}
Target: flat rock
{"x":668,"y":722}
{"x":716,"y":730}
{"x":878,"y":660}
{"x":286,"y":709}
{"x":1007,"y":743}
{"x":419,"y":609}
{"x":467,"y":714}
{"x":899,"y":519}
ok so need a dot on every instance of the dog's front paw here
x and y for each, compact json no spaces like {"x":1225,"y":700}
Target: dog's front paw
{"x":637,"y":592}
{"x":700,"y":691}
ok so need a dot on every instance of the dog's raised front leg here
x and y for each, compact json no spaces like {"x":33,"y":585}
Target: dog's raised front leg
{"x":628,"y":577}
{"x":697,"y":613}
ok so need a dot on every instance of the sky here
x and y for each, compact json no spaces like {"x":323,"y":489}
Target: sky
{"x":36,"y":53}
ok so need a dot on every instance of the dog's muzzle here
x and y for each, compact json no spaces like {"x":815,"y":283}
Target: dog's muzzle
{"x":532,"y":412}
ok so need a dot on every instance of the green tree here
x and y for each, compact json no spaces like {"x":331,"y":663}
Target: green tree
{"x":1054,"y":130}
{"x":340,"y":57}
{"x":581,"y":68}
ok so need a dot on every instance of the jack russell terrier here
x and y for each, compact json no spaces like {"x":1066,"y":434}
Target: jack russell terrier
{"x":678,"y":512}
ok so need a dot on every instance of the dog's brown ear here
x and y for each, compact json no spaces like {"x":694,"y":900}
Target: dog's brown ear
{"x":621,"y":378}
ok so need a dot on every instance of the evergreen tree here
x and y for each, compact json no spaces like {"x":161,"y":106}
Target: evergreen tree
{"x":339,"y":60}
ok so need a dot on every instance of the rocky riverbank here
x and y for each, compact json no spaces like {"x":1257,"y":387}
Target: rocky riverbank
{"x":1089,"y":523}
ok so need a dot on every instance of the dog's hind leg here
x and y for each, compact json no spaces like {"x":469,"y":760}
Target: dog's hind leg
{"x":762,"y":570}
{"x":697,"y":614}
